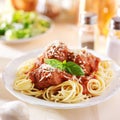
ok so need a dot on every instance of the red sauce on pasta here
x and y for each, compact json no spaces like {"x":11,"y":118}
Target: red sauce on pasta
{"x":44,"y":76}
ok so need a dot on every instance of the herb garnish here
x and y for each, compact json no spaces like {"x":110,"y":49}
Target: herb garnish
{"x":69,"y":67}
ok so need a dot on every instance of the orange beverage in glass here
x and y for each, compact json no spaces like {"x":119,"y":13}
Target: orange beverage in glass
{"x":26,"y":5}
{"x":105,"y":9}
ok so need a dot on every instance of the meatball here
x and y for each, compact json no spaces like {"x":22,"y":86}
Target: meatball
{"x":87,"y":61}
{"x":57,"y":51}
{"x":46,"y":76}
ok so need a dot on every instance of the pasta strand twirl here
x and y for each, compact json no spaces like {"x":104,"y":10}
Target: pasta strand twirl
{"x":70,"y":91}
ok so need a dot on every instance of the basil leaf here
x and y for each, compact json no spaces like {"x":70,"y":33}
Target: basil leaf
{"x":69,"y":67}
{"x":74,"y":69}
{"x":54,"y":63}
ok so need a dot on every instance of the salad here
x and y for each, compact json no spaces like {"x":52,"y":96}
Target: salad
{"x":21,"y":24}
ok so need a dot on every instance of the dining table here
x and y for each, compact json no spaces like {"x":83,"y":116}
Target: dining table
{"x":67,"y":33}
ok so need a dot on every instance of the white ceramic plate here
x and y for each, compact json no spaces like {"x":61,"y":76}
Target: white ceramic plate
{"x":9,"y":76}
{"x":17,"y":41}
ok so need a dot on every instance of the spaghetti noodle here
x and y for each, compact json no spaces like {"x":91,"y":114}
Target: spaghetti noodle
{"x":68,"y":91}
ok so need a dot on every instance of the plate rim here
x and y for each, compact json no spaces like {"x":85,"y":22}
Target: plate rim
{"x":47,"y":103}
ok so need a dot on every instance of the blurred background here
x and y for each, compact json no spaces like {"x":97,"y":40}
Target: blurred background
{"x":68,"y":10}
{"x":72,"y":12}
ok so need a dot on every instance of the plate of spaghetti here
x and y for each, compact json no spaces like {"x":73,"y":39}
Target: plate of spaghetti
{"x":62,"y":78}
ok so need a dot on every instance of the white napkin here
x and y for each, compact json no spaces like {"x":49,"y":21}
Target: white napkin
{"x":15,"y":110}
